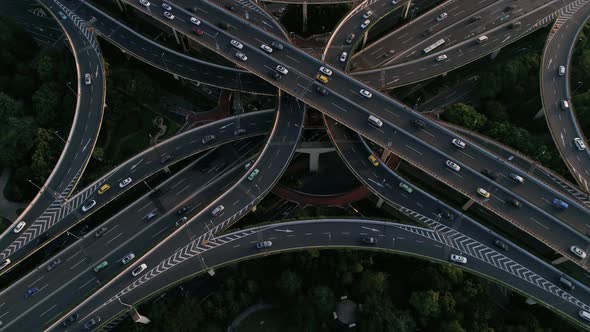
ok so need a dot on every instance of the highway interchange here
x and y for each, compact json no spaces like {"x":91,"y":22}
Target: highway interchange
{"x":165,"y":248}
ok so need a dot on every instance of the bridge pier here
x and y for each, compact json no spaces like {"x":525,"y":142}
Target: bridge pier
{"x":365,"y":37}
{"x":120,"y":5}
{"x":467,"y":205}
{"x":137,"y":317}
{"x":495,"y":54}
{"x":304,"y":16}
{"x":315,"y":149}
{"x":407,"y":10}
{"x":380,"y":203}
{"x":176,"y":37}
{"x":559,"y":260}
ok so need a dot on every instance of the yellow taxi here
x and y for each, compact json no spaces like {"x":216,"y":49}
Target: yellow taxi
{"x":322,"y":78}
{"x":373,"y":160}
{"x":104,"y":188}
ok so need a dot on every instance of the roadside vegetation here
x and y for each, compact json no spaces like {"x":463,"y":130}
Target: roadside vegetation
{"x":580,"y":79}
{"x":35,"y":106}
{"x":397,"y":293}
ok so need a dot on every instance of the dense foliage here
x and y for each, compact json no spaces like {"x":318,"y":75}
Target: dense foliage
{"x":35,"y":103}
{"x":580,"y":80}
{"x":397,"y":294}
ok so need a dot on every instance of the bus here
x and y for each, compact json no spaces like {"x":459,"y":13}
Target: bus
{"x":433,"y":46}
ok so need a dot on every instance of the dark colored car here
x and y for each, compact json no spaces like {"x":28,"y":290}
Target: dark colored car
{"x":276,"y":76}
{"x":100,"y":232}
{"x":501,"y":244}
{"x":322,"y":90}
{"x":230,"y":8}
{"x":427,"y":32}
{"x":490,"y":174}
{"x":446,"y":214}
{"x":418,"y":123}
{"x":165,"y":158}
{"x":198,"y":31}
{"x":30,"y":292}
{"x":474,"y":18}
{"x":68,"y":321}
{"x":223,"y":25}
{"x":514,"y":202}
{"x":182,"y":210}
{"x":92,"y":323}
{"x":350,"y":38}
{"x":53,"y":264}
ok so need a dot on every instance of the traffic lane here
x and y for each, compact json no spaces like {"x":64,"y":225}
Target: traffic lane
{"x":138,"y":240}
{"x":402,"y":40}
{"x":489,"y":18}
{"x":250,"y":11}
{"x":386,"y":184}
{"x":338,"y":42}
{"x":332,"y":233}
{"x":237,"y":201}
{"x":71,"y":160}
{"x":459,"y":54}
{"x":170,"y":60}
{"x":554,"y":87}
{"x":179,"y":147}
{"x":257,"y":53}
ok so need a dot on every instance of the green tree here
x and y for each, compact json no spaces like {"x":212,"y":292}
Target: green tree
{"x":426,"y":303}
{"x":45,"y":154}
{"x":323,"y":299}
{"x":46,"y":68}
{"x":452,"y":326}
{"x":289,"y":283}
{"x":465,"y":116}
{"x":9,"y":107}
{"x":46,"y":101}
{"x":379,"y":314}
{"x":373,"y":282}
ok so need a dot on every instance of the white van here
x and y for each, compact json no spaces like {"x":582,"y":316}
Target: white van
{"x":482,"y":39}
{"x":585,"y":315}
{"x":375,"y":121}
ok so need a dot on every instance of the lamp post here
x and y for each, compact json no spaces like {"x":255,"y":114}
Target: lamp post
{"x":58,"y":136}
{"x":580,"y":83}
{"x":70,"y":87}
{"x":155,"y":145}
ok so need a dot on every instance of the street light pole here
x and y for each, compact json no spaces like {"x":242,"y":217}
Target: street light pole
{"x":155,"y":145}
{"x":70,"y":87}
{"x":58,"y":136}
{"x":580,"y":83}
{"x":54,"y":193}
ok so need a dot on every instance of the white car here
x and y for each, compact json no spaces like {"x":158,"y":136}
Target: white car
{"x":580,"y":144}
{"x":458,"y":259}
{"x":263,"y":244}
{"x":365,"y":24}
{"x":168,"y":15}
{"x":87,"y":79}
{"x":368,"y":14}
{"x":19,"y":227}
{"x":138,"y":270}
{"x":282,"y":70}
{"x":441,"y":57}
{"x":236,"y":44}
{"x":241,"y":56}
{"x":441,"y":17}
{"x":144,"y":2}
{"x":343,"y":56}
{"x":366,"y":93}
{"x":458,"y":143}
{"x":195,"y":21}
{"x":88,"y":206}
{"x":578,"y":252}
{"x":130,"y":256}
{"x":266,"y":48}
{"x":125,"y":182}
{"x":326,"y":71}
{"x":166,"y":6}
{"x":453,"y":166}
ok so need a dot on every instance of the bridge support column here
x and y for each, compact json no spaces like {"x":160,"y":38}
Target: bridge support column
{"x":380,"y":203}
{"x":467,"y":205}
{"x":314,"y":161}
{"x":365,"y":35}
{"x":304,"y":16}
{"x":176,"y":77}
{"x":176,"y":36}
{"x":559,"y":260}
{"x":407,"y":10}
{"x":137,"y":317}
{"x":120,"y":5}
{"x":385,"y":155}
{"x":166,"y":170}
{"x":495,"y":54}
